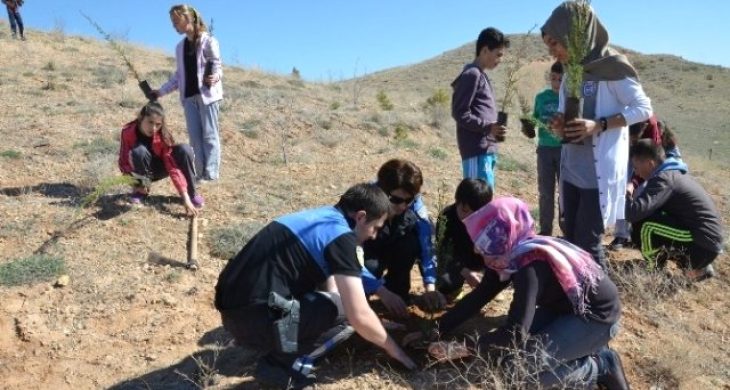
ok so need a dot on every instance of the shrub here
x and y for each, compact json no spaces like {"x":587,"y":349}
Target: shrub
{"x":11,"y":154}
{"x":33,"y":269}
{"x":50,"y":66}
{"x":249,"y":128}
{"x":506,"y":163}
{"x":334,"y":106}
{"x":108,"y":76}
{"x":400,"y":132}
{"x":437,"y":108}
{"x":437,"y":153}
{"x":226,"y":242}
{"x":384,"y":101}
{"x":97,"y":145}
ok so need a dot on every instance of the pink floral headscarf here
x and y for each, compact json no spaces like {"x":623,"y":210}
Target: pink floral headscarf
{"x":503,"y":232}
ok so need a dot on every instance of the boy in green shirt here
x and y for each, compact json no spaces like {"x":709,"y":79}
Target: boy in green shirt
{"x":548,"y":149}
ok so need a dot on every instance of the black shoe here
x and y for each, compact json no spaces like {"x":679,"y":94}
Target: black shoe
{"x":270,"y":373}
{"x":610,"y":371}
{"x":618,"y":243}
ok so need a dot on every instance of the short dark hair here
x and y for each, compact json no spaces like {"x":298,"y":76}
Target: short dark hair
{"x":475,"y":193}
{"x":557,"y":67}
{"x":367,"y":197}
{"x":646,"y":149}
{"x":397,"y":173}
{"x":492,"y":39}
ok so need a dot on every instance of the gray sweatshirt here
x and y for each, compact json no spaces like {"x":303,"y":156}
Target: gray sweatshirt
{"x":474,"y":109}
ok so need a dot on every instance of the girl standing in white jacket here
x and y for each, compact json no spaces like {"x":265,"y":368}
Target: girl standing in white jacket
{"x":594,"y":164}
{"x":198,"y":78}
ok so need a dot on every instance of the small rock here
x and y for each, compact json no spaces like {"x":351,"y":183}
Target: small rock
{"x":168,"y":300}
{"x":62,"y":281}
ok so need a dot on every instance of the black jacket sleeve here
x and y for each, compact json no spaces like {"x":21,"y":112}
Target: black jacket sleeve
{"x":473,"y":302}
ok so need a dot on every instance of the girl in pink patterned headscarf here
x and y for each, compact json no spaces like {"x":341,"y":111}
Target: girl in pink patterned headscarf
{"x":504,"y":234}
{"x":564,"y":308}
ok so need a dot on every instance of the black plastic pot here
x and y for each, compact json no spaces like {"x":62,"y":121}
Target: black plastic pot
{"x":147,"y":90}
{"x":528,"y":127}
{"x":573,"y":110}
{"x":502,"y":121}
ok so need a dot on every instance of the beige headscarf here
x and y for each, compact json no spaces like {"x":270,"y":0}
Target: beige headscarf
{"x":602,"y":62}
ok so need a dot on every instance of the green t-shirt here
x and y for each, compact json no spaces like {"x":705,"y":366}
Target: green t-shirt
{"x":546,"y":105}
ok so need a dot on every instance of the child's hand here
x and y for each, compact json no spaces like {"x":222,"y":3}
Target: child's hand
{"x":189,"y":207}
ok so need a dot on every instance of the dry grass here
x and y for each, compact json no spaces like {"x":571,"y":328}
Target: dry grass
{"x":125,"y":319}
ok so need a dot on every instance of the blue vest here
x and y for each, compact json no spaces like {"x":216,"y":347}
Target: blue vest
{"x":315,"y":229}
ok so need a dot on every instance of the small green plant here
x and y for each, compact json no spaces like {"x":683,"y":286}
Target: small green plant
{"x":384,"y":101}
{"x":400,"y":133}
{"x":577,"y":48}
{"x":335,"y":106}
{"x":437,"y":107}
{"x":116,"y":46}
{"x":10,"y":154}
{"x":50,"y":66}
{"x":105,"y":185}
{"x":33,"y":269}
{"x":512,"y":71}
{"x":437,"y":153}
{"x":507,"y":163}
{"x":227,"y":241}
{"x":249,"y":128}
{"x":97,"y":145}
{"x":173,"y":277}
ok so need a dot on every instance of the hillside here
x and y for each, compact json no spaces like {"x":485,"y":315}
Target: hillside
{"x":133,"y":317}
{"x":690,"y":96}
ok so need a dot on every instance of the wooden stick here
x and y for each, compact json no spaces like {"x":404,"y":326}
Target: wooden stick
{"x":193,"y":244}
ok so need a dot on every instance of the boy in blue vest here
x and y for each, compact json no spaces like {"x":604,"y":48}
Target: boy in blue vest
{"x":294,"y":290}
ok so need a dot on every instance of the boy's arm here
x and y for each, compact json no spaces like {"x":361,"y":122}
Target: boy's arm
{"x":652,"y":198}
{"x":364,"y":321}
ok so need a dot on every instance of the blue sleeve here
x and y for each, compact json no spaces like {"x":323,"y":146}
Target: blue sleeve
{"x":425,"y":230}
{"x":370,"y":283}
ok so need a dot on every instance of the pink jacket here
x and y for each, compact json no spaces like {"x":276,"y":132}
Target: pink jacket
{"x":208,"y":50}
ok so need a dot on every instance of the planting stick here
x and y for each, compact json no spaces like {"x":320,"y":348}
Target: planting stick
{"x":193,"y":244}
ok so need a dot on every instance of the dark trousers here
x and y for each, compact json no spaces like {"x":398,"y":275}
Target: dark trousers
{"x":145,"y":163}
{"x":253,"y":326}
{"x":662,"y":237}
{"x":396,"y":263}
{"x":548,"y":174}
{"x":15,"y":19}
{"x":582,"y":220}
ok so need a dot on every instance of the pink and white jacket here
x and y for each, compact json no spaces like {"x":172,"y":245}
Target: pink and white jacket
{"x":208,"y":50}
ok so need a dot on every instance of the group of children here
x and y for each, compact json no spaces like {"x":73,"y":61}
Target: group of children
{"x":301,"y":284}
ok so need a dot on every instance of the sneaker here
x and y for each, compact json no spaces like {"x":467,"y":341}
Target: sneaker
{"x":618,"y":243}
{"x":610,"y":370}
{"x":22,"y":37}
{"x":198,"y":201}
{"x":269,"y":373}
{"x":137,"y":198}
{"x":698,"y":275}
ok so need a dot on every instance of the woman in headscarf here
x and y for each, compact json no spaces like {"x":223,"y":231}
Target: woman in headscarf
{"x":564,"y":311}
{"x":594,"y":164}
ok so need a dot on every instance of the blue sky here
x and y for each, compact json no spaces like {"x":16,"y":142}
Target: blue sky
{"x":331,"y":40}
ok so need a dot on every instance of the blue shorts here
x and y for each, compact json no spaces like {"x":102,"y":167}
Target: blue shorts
{"x":480,"y":167}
